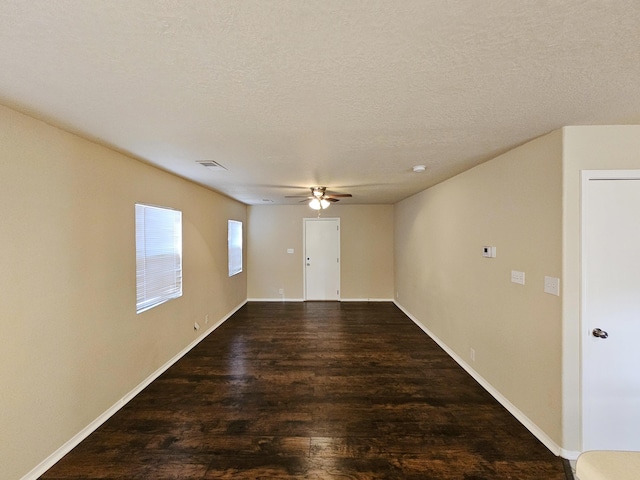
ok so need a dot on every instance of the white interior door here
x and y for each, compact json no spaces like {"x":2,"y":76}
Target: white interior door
{"x":322,"y":258}
{"x":611,"y":303}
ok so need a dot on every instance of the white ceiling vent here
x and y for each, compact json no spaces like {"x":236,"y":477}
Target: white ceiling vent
{"x":210,"y":164}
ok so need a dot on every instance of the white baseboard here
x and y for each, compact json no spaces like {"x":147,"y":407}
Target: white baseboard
{"x":275,"y":299}
{"x":521,"y":417}
{"x":52,"y":459}
{"x":366,"y":299}
{"x":302,"y":300}
{"x":569,"y":454}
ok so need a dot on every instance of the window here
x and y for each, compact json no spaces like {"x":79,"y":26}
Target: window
{"x":158,"y":256}
{"x":234,"y":238}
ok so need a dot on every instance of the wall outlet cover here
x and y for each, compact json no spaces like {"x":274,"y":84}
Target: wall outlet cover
{"x":552,"y":285}
{"x":517,"y":277}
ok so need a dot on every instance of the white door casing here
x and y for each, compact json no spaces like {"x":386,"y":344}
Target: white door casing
{"x":322,"y":258}
{"x":611,"y":303}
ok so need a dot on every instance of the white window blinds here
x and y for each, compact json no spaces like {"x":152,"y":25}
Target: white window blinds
{"x":158,"y":255}
{"x":234,"y":240}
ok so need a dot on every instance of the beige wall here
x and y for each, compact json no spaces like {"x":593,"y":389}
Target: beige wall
{"x":366,"y":247}
{"x":513,"y":202}
{"x":614,"y":147}
{"x":72,"y":344}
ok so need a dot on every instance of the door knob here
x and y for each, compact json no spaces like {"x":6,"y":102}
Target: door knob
{"x":599,"y":333}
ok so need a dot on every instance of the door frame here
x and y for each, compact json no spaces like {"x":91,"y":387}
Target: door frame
{"x":585,"y":333}
{"x":304,"y":253}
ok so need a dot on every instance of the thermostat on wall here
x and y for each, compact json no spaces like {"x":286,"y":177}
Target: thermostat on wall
{"x":489,"y":252}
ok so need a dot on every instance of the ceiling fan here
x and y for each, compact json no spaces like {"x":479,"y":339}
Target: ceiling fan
{"x":320,"y":198}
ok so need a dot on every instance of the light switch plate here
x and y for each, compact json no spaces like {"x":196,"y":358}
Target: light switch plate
{"x":552,"y":285}
{"x":289,"y":250}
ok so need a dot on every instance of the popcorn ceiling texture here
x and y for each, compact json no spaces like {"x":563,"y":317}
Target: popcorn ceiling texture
{"x":346,"y":94}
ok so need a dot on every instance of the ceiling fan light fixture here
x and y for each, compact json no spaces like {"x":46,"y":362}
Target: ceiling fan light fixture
{"x":319,"y":203}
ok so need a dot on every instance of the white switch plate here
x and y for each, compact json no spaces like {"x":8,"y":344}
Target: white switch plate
{"x":552,"y":285}
{"x":489,"y":252}
{"x":289,"y":250}
{"x":517,"y":277}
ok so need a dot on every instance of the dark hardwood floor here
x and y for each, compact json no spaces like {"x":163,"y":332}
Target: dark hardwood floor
{"x":314,"y":391}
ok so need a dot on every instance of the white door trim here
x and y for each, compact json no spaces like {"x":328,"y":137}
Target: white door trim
{"x":587,"y":176}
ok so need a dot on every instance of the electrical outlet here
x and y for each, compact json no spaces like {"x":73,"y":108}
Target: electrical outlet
{"x":281,"y":291}
{"x":206,"y":318}
{"x":517,"y":277}
{"x":552,"y":285}
{"x":196,"y":326}
{"x":472,"y":354}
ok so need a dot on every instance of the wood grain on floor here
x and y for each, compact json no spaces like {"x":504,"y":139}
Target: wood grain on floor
{"x":313,"y":390}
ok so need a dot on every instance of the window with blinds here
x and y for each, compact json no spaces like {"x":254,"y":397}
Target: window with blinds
{"x":158,"y":256}
{"x":234,"y":242}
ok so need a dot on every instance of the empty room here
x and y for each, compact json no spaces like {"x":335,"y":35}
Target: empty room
{"x":319,"y":239}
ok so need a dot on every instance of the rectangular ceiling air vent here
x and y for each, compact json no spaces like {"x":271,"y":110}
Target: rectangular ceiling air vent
{"x":211,"y":164}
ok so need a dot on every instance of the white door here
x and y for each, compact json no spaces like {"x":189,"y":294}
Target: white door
{"x":611,"y":311}
{"x":322,"y":258}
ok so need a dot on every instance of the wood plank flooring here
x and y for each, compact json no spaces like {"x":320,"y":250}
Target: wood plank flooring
{"x":313,"y":391}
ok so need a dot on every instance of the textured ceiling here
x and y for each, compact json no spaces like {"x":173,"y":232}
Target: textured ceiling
{"x":348,"y":94}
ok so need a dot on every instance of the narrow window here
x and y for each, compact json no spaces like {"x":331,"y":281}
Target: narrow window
{"x":234,"y":238}
{"x":158,"y":256}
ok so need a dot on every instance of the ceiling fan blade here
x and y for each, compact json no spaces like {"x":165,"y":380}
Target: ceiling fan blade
{"x":320,"y":193}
